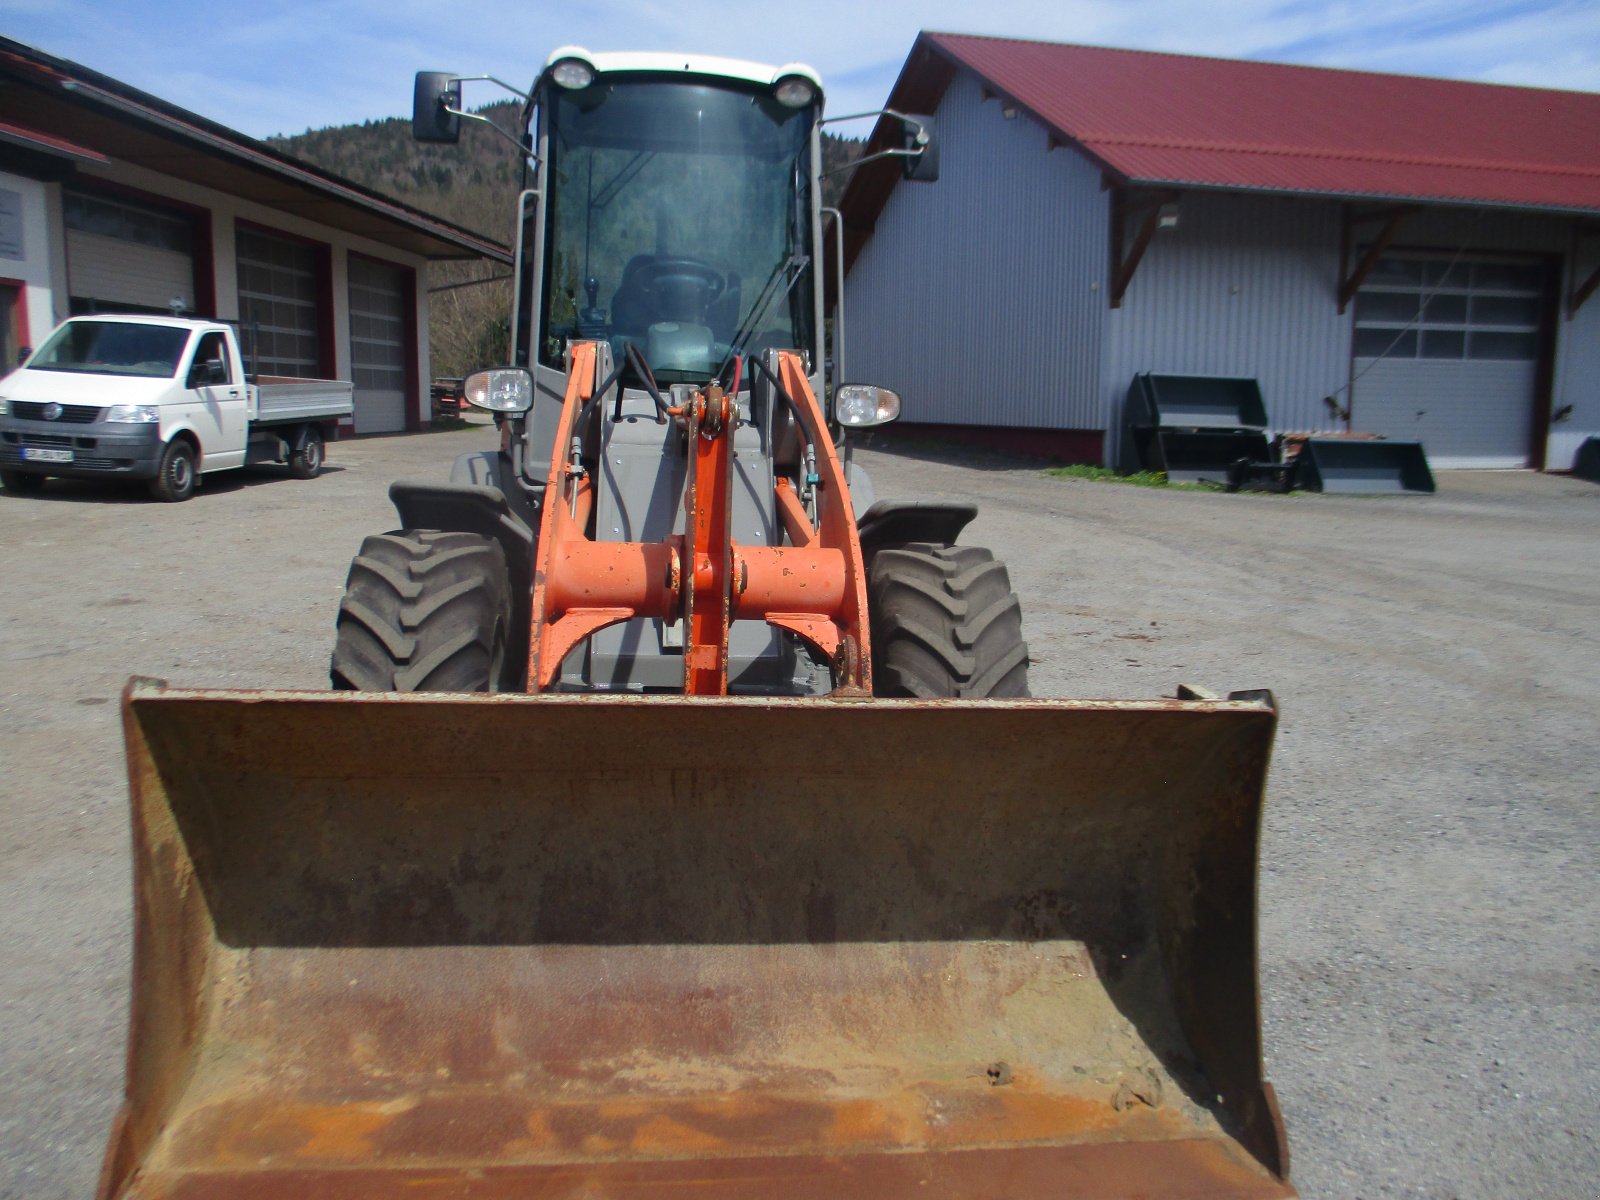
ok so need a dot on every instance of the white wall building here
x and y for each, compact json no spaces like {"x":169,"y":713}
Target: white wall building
{"x":114,"y":201}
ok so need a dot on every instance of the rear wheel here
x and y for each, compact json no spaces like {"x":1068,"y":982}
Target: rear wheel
{"x":425,"y":611}
{"x":305,"y":462}
{"x":23,"y":483}
{"x":945,"y":623}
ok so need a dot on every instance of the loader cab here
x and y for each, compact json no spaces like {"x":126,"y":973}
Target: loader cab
{"x":677,"y":212}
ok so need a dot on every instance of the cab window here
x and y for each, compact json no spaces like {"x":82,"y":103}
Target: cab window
{"x":213,"y":348}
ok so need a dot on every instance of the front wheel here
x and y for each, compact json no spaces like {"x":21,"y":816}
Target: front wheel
{"x":175,"y":477}
{"x":23,"y":483}
{"x":945,"y":623}
{"x":425,"y":611}
{"x":305,"y":462}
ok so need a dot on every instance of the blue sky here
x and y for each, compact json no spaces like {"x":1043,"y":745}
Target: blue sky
{"x":283,"y":68}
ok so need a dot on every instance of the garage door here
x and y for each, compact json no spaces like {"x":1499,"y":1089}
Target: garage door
{"x":379,"y":294}
{"x":280,"y":304}
{"x":1446,"y":353}
{"x":123,"y":257}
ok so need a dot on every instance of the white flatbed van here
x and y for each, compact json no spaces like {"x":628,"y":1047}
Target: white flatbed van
{"x":163,"y":399}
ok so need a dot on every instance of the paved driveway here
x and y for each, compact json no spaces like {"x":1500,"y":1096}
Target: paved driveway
{"x":1430,"y":968}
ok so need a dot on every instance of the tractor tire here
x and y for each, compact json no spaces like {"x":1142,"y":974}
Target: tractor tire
{"x":175,"y":477}
{"x":23,"y":483}
{"x":425,"y":611}
{"x":945,"y":623}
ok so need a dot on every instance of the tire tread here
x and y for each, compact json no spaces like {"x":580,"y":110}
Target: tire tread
{"x":945,"y":623}
{"x":424,"y":611}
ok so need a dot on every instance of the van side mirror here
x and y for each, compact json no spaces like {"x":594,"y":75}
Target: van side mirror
{"x":206,"y":372}
{"x":435,"y":94}
{"x":917,"y":135}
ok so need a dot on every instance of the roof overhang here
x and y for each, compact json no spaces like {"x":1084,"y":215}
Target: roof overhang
{"x":44,"y":143}
{"x":63,"y":105}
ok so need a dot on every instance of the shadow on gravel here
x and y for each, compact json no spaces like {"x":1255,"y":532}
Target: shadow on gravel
{"x":974,"y":457}
{"x":127,"y":491}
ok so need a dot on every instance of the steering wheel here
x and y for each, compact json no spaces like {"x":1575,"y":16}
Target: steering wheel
{"x":651,"y":275}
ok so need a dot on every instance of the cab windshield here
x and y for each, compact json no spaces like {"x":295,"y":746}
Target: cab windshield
{"x":678,"y":220}
{"x":112,"y":348}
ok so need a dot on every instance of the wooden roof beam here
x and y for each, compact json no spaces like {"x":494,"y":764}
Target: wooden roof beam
{"x":1122,"y":211}
{"x":1580,"y":291}
{"x":1391,"y":217}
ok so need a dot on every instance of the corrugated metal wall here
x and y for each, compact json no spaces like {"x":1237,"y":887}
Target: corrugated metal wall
{"x":980,"y":298}
{"x":1577,"y":381}
{"x":1244,"y":286}
{"x":1577,"y":366}
{"x":1248,"y":285}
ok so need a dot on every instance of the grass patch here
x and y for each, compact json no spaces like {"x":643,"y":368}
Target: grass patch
{"x":1151,"y":479}
{"x":447,"y":424}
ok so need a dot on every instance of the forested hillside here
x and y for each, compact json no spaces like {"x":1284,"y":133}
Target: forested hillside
{"x":473,"y":184}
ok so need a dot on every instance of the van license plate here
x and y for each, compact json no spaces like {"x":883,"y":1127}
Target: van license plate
{"x":36,"y":454}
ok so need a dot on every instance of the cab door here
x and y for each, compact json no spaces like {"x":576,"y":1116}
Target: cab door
{"x":219,"y":412}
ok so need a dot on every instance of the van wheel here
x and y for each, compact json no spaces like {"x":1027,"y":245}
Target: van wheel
{"x":305,"y":462}
{"x":23,"y":483}
{"x":175,"y":477}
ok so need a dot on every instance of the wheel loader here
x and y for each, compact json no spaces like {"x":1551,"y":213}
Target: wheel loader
{"x":679,"y":822}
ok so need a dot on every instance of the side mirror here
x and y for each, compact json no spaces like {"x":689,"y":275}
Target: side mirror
{"x":206,"y":372}
{"x":917,"y":135}
{"x":435,"y":94}
{"x":24,"y":353}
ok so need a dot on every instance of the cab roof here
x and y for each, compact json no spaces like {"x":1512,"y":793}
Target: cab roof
{"x":617,"y":62}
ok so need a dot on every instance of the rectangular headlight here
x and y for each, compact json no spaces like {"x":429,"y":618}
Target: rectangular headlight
{"x":133,"y":414}
{"x":860,"y":405}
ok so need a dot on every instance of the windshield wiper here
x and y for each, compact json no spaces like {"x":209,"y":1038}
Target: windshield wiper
{"x":787,"y":273}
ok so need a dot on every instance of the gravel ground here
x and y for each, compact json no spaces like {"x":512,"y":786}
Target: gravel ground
{"x":1429,"y":961}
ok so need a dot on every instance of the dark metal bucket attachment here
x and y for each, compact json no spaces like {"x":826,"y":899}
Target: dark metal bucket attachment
{"x":1586,"y":463}
{"x":1193,"y":455}
{"x":1196,"y":402}
{"x":477,"y":948}
{"x":1363,"y":466}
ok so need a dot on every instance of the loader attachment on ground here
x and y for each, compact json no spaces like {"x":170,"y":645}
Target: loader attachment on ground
{"x":604,"y":946}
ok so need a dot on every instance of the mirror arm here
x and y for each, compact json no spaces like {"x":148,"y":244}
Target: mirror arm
{"x":877,"y":112}
{"x":500,"y":83}
{"x":907,"y":118}
{"x":853,"y":164}
{"x":523,"y":150}
{"x":518,"y":93}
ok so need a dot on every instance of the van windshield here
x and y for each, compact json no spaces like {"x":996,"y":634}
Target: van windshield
{"x":112,"y":348}
{"x":679,"y":220}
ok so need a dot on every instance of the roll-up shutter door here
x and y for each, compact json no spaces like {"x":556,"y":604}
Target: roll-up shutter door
{"x":124,"y":257}
{"x":280,"y":305}
{"x":378,"y":352}
{"x":1446,"y":353}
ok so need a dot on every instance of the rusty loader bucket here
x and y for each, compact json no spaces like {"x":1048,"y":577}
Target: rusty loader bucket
{"x":484,"y":947}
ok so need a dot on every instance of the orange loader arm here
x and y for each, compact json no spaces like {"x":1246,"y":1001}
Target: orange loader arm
{"x":815,"y":587}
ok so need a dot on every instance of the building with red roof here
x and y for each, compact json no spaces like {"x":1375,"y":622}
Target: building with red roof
{"x":1389,"y":254}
